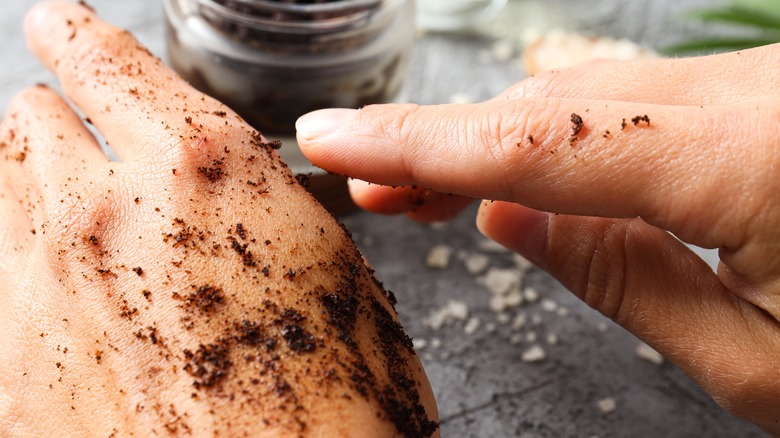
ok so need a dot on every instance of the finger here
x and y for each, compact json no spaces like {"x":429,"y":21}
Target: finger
{"x":663,"y":167}
{"x":16,"y":230}
{"x":709,"y":80}
{"x":654,"y":286}
{"x":420,"y":204}
{"x":133,"y":99}
{"x":48,"y":152}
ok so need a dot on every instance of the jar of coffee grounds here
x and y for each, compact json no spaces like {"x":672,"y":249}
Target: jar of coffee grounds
{"x":275,"y":60}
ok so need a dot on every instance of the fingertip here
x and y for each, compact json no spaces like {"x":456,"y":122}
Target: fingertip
{"x":45,"y":21}
{"x":321,"y":123}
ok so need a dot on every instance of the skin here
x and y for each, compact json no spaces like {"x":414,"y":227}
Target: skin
{"x":605,"y":210}
{"x":195,"y":287}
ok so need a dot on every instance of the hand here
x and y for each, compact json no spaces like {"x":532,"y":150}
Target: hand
{"x":596,"y":172}
{"x":193,"y":288}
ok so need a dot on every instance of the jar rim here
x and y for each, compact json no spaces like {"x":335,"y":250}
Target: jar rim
{"x":345,"y":14}
{"x":336,"y":6}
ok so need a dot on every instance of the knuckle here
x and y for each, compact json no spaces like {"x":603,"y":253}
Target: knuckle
{"x":82,"y":217}
{"x":514,"y":138}
{"x":403,"y":127}
{"x":206,"y":151}
{"x":599,"y":278}
{"x":545,"y":84}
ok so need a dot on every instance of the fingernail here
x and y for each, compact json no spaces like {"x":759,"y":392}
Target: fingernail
{"x":320,"y":123}
{"x":521,"y":229}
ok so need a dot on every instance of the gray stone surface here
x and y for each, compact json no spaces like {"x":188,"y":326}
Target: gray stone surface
{"x":483,"y":387}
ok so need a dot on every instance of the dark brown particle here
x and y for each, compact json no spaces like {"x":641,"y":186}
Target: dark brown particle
{"x":637,"y":119}
{"x":578,"y":123}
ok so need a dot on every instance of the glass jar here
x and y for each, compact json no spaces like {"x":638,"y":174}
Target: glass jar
{"x":275,"y":60}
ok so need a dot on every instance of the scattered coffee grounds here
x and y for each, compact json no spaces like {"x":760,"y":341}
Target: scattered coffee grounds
{"x":578,"y":123}
{"x":213,"y":172}
{"x":188,"y":120}
{"x":205,"y":298}
{"x":304,"y":179}
{"x":298,"y":338}
{"x":138,"y":271}
{"x":623,"y":125}
{"x":209,"y":364}
{"x":342,"y":313}
{"x":531,"y":139}
{"x":252,"y":334}
{"x":241,"y":231}
{"x":246,"y":255}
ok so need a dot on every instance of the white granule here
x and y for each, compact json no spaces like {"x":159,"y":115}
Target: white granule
{"x":563,"y":312}
{"x":519,"y":322}
{"x":531,"y":295}
{"x":501,"y":281}
{"x":435,"y":342}
{"x":490,"y":327}
{"x":503,"y":318}
{"x":646,"y":352}
{"x":534,"y":354}
{"x":551,"y":339}
{"x":471,"y":326}
{"x":476,"y":263}
{"x":419,"y":343}
{"x":602,"y":327}
{"x":500,"y":303}
{"x":606,"y":405}
{"x":439,"y":257}
{"x":549,"y":305}
{"x":515,"y":339}
{"x":452,"y":311}
{"x":531,"y":337}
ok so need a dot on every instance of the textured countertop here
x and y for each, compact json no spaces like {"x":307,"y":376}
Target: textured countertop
{"x":483,"y":386}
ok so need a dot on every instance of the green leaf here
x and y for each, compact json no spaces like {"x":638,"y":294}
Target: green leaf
{"x":718,"y":45}
{"x":761,"y":6}
{"x":739,"y":16}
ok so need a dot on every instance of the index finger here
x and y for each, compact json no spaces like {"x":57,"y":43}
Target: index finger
{"x":667,"y":164}
{"x":133,"y":99}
